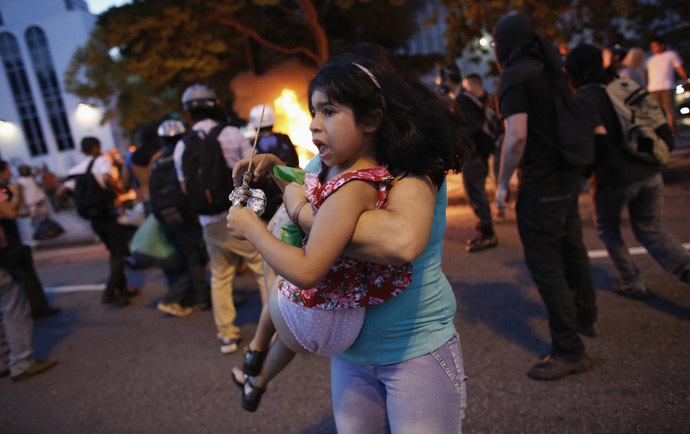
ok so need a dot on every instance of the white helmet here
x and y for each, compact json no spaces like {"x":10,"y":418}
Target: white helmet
{"x":171,"y":128}
{"x":255,"y":116}
{"x":199,"y":95}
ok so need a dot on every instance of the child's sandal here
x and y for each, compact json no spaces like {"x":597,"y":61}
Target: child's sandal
{"x":253,"y":362}
{"x":251,"y":393}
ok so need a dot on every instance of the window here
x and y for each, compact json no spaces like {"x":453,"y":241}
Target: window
{"x":50,"y":88}
{"x":76,"y":4}
{"x":23,"y":100}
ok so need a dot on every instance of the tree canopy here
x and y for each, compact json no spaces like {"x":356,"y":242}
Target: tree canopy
{"x":598,"y":21}
{"x":141,"y":56}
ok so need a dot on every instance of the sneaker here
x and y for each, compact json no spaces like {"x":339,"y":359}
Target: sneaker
{"x":35,"y":369}
{"x":554,"y":368}
{"x":629,"y":291}
{"x":229,"y":345}
{"x":174,"y":309}
{"x":481,"y":242}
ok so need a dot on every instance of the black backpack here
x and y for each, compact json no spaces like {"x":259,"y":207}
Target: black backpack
{"x":208,"y":178}
{"x":92,"y":200}
{"x":168,"y":203}
{"x":574,"y":129}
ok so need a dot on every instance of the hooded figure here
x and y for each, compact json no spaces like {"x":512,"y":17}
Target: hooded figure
{"x":522,"y":55}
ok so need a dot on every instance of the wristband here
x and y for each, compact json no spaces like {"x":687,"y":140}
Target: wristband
{"x":295,"y":213}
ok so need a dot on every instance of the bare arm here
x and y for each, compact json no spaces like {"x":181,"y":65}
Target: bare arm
{"x":329,"y":235}
{"x":395,"y":235}
{"x":513,"y":147}
{"x":681,"y":71}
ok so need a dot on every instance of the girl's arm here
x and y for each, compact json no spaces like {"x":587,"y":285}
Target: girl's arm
{"x":330,"y":233}
{"x":395,"y":235}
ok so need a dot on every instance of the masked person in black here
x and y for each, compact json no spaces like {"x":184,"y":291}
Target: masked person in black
{"x":623,"y":180}
{"x":547,"y":204}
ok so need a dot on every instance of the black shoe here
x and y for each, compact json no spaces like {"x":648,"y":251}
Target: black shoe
{"x":35,"y":369}
{"x":589,"y":329}
{"x":4,"y":373}
{"x":554,"y":368}
{"x":481,"y":242}
{"x":115,"y":299}
{"x":629,"y":291}
{"x":251,"y":394}
{"x":253,"y":361}
{"x":130,"y":292}
{"x":46,"y":313}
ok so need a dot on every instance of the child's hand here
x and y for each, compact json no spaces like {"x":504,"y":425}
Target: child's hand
{"x":240,"y":221}
{"x":262,"y":163}
{"x":294,"y":193}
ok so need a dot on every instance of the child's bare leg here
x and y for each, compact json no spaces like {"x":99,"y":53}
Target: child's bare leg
{"x":279,"y":356}
{"x":264,"y":331}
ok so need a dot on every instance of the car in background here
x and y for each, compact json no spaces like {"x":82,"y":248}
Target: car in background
{"x":682,"y":103}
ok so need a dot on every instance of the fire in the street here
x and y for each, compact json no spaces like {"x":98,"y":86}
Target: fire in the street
{"x":293,"y":120}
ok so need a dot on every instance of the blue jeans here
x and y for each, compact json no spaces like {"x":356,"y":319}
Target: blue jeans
{"x":426,"y":394}
{"x":16,"y":327}
{"x":644,"y":200}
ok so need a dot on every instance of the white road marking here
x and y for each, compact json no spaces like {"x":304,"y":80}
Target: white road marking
{"x":595,"y":254}
{"x":74,"y":288}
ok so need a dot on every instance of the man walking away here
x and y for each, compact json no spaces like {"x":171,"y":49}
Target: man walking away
{"x":547,"y":205}
{"x":622,"y":180}
{"x":203,"y":160}
{"x":472,"y":103}
{"x":94,"y":190}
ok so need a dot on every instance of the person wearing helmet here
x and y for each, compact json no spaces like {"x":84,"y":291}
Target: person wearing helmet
{"x":277,"y":144}
{"x":225,"y":252}
{"x":186,"y":274}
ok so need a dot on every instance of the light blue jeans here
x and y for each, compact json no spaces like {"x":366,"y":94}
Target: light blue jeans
{"x":425,"y":395}
{"x":16,"y":327}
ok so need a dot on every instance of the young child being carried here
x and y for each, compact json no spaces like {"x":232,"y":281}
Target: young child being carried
{"x":358,"y":127}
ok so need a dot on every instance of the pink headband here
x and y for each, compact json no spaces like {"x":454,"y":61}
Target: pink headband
{"x":367,"y":72}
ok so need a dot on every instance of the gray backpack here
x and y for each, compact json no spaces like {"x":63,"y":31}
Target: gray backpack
{"x":639,"y":115}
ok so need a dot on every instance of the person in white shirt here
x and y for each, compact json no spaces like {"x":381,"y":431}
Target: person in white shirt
{"x":113,"y":234}
{"x":34,"y":198}
{"x":661,"y":69}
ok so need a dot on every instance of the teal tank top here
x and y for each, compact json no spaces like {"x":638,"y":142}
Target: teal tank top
{"x":418,"y":320}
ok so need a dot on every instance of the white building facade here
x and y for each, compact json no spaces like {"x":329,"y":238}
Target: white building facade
{"x":40,"y":123}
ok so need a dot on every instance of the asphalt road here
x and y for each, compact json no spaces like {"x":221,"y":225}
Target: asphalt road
{"x":134,"y":370}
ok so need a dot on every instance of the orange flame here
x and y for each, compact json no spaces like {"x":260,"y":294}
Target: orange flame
{"x":293,"y":120}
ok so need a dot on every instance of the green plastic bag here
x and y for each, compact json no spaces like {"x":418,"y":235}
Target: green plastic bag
{"x":290,"y":174}
{"x":150,"y":239}
{"x":290,"y":233}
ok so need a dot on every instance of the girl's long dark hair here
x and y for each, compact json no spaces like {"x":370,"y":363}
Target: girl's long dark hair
{"x":418,"y":133}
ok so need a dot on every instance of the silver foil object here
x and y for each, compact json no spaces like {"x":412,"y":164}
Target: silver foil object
{"x":252,"y":197}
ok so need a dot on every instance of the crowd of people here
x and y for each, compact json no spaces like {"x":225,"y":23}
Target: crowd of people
{"x":363,"y":284}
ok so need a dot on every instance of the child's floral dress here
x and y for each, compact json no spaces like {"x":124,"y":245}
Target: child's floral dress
{"x":324,"y":319}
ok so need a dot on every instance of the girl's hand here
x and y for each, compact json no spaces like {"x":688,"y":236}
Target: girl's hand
{"x":294,"y":193}
{"x":262,"y":163}
{"x":241,"y":221}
